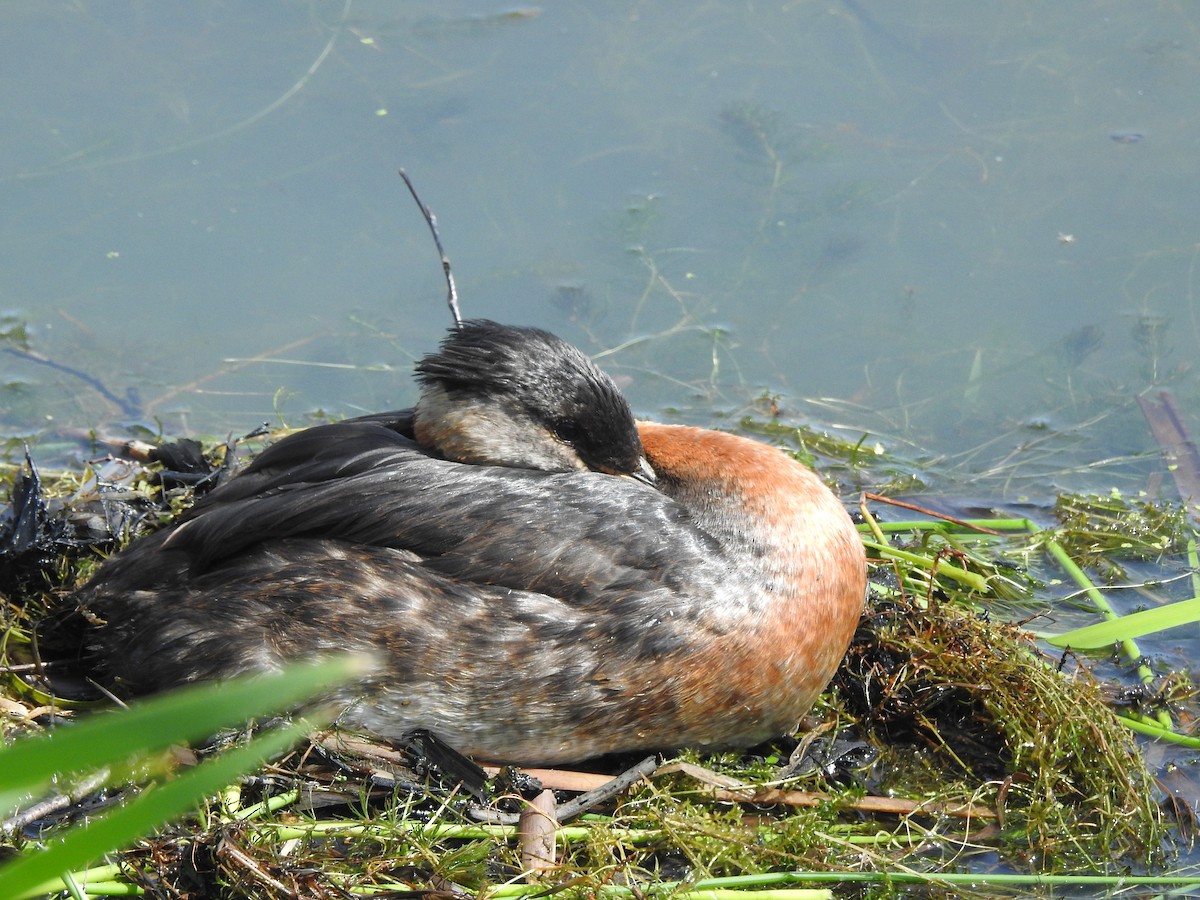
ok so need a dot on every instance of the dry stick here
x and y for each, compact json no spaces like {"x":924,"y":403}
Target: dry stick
{"x":235,"y":858}
{"x":559,"y":779}
{"x":431,"y":221}
{"x":536,"y":830}
{"x":225,"y":370}
{"x":127,"y":406}
{"x":730,"y":790}
{"x":602,"y":793}
{"x":51,"y":805}
{"x":608,"y":790}
{"x":879,"y":498}
{"x":870,"y":803}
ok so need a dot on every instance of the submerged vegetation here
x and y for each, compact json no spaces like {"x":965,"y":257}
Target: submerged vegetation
{"x":951,"y":741}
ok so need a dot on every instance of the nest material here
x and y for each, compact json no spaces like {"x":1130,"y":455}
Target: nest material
{"x":982,"y":704}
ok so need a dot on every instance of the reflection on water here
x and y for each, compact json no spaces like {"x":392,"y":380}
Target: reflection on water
{"x":1081,"y":343}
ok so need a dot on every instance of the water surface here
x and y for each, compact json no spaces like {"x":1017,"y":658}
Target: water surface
{"x":964,"y":228}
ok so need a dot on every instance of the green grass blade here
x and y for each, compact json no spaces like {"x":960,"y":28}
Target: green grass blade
{"x":1135,"y":625}
{"x":1128,"y":646}
{"x":185,"y":715}
{"x":156,"y":806}
{"x":971,"y":580}
{"x":1152,"y":728}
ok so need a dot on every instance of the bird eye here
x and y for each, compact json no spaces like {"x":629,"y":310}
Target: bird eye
{"x":566,"y":432}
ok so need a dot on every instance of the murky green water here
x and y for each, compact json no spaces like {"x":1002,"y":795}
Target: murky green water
{"x":968,"y":227}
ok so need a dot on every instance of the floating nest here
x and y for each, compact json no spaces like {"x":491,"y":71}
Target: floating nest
{"x":955,"y":699}
{"x":947,"y":741}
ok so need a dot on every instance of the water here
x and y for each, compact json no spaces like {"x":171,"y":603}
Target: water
{"x":961,"y":226}
{"x":969,"y":230}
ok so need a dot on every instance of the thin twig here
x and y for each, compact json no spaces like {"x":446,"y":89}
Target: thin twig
{"x":54,"y":804}
{"x":961,"y":523}
{"x":730,"y":790}
{"x":584,"y":802}
{"x":127,"y":406}
{"x":230,"y":366}
{"x":431,"y":220}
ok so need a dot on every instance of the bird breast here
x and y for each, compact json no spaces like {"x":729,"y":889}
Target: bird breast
{"x":798,"y":554}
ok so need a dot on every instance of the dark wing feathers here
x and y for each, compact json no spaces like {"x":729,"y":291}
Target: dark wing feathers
{"x":574,"y":536}
{"x":354,"y":537}
{"x":318,"y":454}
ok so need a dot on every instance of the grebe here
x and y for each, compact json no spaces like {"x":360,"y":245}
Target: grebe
{"x":543,"y":579}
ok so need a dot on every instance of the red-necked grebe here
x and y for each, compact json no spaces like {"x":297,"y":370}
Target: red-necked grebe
{"x":543,"y":579}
